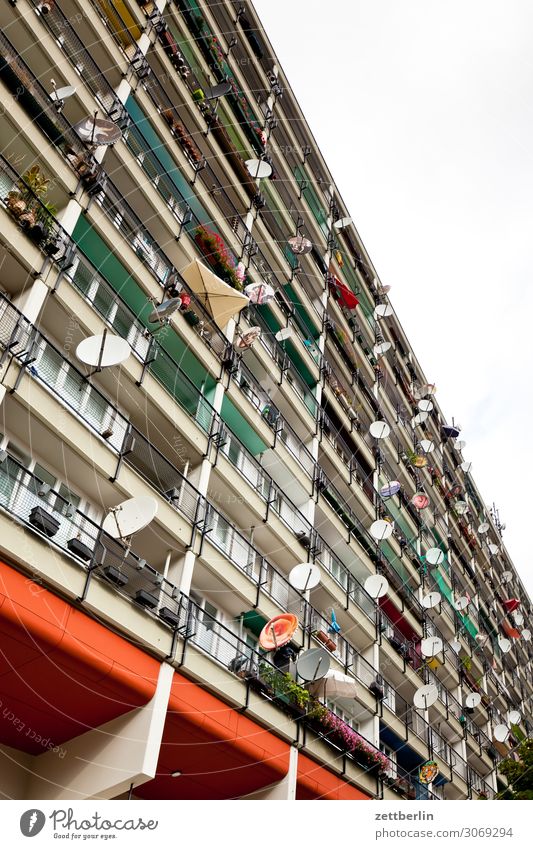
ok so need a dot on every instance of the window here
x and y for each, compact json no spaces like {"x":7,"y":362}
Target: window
{"x":67,"y":502}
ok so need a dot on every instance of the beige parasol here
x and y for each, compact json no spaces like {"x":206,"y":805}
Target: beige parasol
{"x":221,"y":301}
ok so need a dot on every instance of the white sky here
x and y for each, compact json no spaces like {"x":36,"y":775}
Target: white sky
{"x":424,"y":114}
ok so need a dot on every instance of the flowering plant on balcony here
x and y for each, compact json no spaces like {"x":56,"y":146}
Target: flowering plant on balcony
{"x":219,"y":256}
{"x":340,"y":732}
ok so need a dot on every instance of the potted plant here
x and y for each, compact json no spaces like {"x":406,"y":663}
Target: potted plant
{"x":191,"y":318}
{"x":326,"y":640}
{"x":218,"y":255}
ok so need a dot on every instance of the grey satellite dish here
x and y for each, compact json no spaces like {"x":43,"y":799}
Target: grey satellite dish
{"x":130,"y":516}
{"x":419,"y":419}
{"x":376,"y":586}
{"x":473,"y":700}
{"x":460,"y":444}
{"x":103,"y":351}
{"x":342,"y":223}
{"x":382,"y":348}
{"x":493,"y":548}
{"x":390,"y":489}
{"x":518,"y":618}
{"x":455,"y":646}
{"x":98,"y":131}
{"x":381,"y":530}
{"x":461,"y":507}
{"x":425,"y":696}
{"x":217,"y":91}
{"x":526,"y":635}
{"x":431,"y":600}
{"x":165,"y":310}
{"x":313,"y":664}
{"x":434,"y":556}
{"x":430,"y":646}
{"x":427,"y":446}
{"x":283,"y":334}
{"x":466,"y":467}
{"x":425,"y":406}
{"x":300,"y":245}
{"x":379,"y":430}
{"x":461,"y":603}
{"x":258,"y":168}
{"x":504,"y":644}
{"x":305,"y":576}
{"x":500,"y":733}
{"x":514,"y":717}
{"x":483,"y":528}
{"x":382,"y":311}
{"x":59,"y":95}
{"x":506,"y":577}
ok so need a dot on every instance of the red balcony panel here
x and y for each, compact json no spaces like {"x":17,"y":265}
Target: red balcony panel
{"x":316,"y":782}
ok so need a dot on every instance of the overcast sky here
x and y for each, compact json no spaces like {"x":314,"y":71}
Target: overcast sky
{"x":423,"y":110}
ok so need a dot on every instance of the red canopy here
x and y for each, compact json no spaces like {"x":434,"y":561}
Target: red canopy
{"x":511,"y":604}
{"x":343,"y":293}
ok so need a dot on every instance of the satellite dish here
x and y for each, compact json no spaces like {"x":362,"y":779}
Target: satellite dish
{"x":451,"y":431}
{"x":130,"y":516}
{"x":342,"y":223}
{"x":278,"y":631}
{"x":500,"y":733}
{"x":466,"y":467}
{"x":514,"y":717}
{"x":381,"y":530}
{"x":434,"y":556}
{"x":493,"y":548}
{"x":390,"y":489}
{"x":461,"y":603}
{"x":382,"y":348}
{"x":431,"y":646}
{"x":460,"y":444}
{"x":431,"y":600}
{"x":247,"y":339}
{"x":419,"y":419}
{"x":504,"y":644}
{"x":518,"y":618}
{"x":425,"y":406}
{"x":259,"y":293}
{"x":258,"y":168}
{"x":300,"y":245}
{"x":103,"y":351}
{"x":429,"y":389}
{"x":283,"y":334}
{"x":455,"y":646}
{"x":420,"y":500}
{"x":304,"y":577}
{"x":382,"y":311}
{"x":506,"y":577}
{"x":379,"y":430}
{"x":376,"y":586}
{"x":483,"y":528}
{"x":60,"y":94}
{"x":425,"y":696}
{"x":165,"y":310}
{"x":384,"y":289}
{"x":461,"y":507}
{"x":217,"y":91}
{"x":526,"y":635}
{"x":427,"y":446}
{"x":98,"y":130}
{"x":473,"y":700}
{"x":313,"y":664}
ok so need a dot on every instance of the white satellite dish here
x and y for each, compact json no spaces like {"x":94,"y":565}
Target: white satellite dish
{"x":460,"y":444}
{"x":419,"y":419}
{"x":506,"y":577}
{"x":430,"y":646}
{"x":382,"y":311}
{"x":483,"y":528}
{"x":461,"y":603}
{"x":425,"y":406}
{"x":379,"y":430}
{"x":518,"y":618}
{"x":473,"y":700}
{"x":504,"y":644}
{"x":514,"y":717}
{"x":130,"y":516}
{"x":164,"y":310}
{"x":526,"y":635}
{"x":376,"y":586}
{"x":455,"y":646}
{"x":98,"y":130}
{"x":381,"y":530}
{"x":60,"y":94}
{"x":461,"y":507}
{"x":284,"y":333}
{"x":305,"y":576}
{"x":500,"y":733}
{"x":103,"y":351}
{"x":434,"y":556}
{"x":466,"y":467}
{"x":313,"y":664}
{"x":258,"y":168}
{"x":342,"y":223}
{"x":425,"y":696}
{"x":427,"y":446}
{"x":493,"y":548}
{"x":431,"y":600}
{"x":390,"y":489}
{"x":382,"y":348}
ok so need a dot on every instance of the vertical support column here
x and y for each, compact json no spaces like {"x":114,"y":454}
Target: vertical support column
{"x":31,"y":301}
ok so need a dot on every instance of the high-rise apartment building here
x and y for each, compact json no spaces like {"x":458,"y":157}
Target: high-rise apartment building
{"x":160,"y":186}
